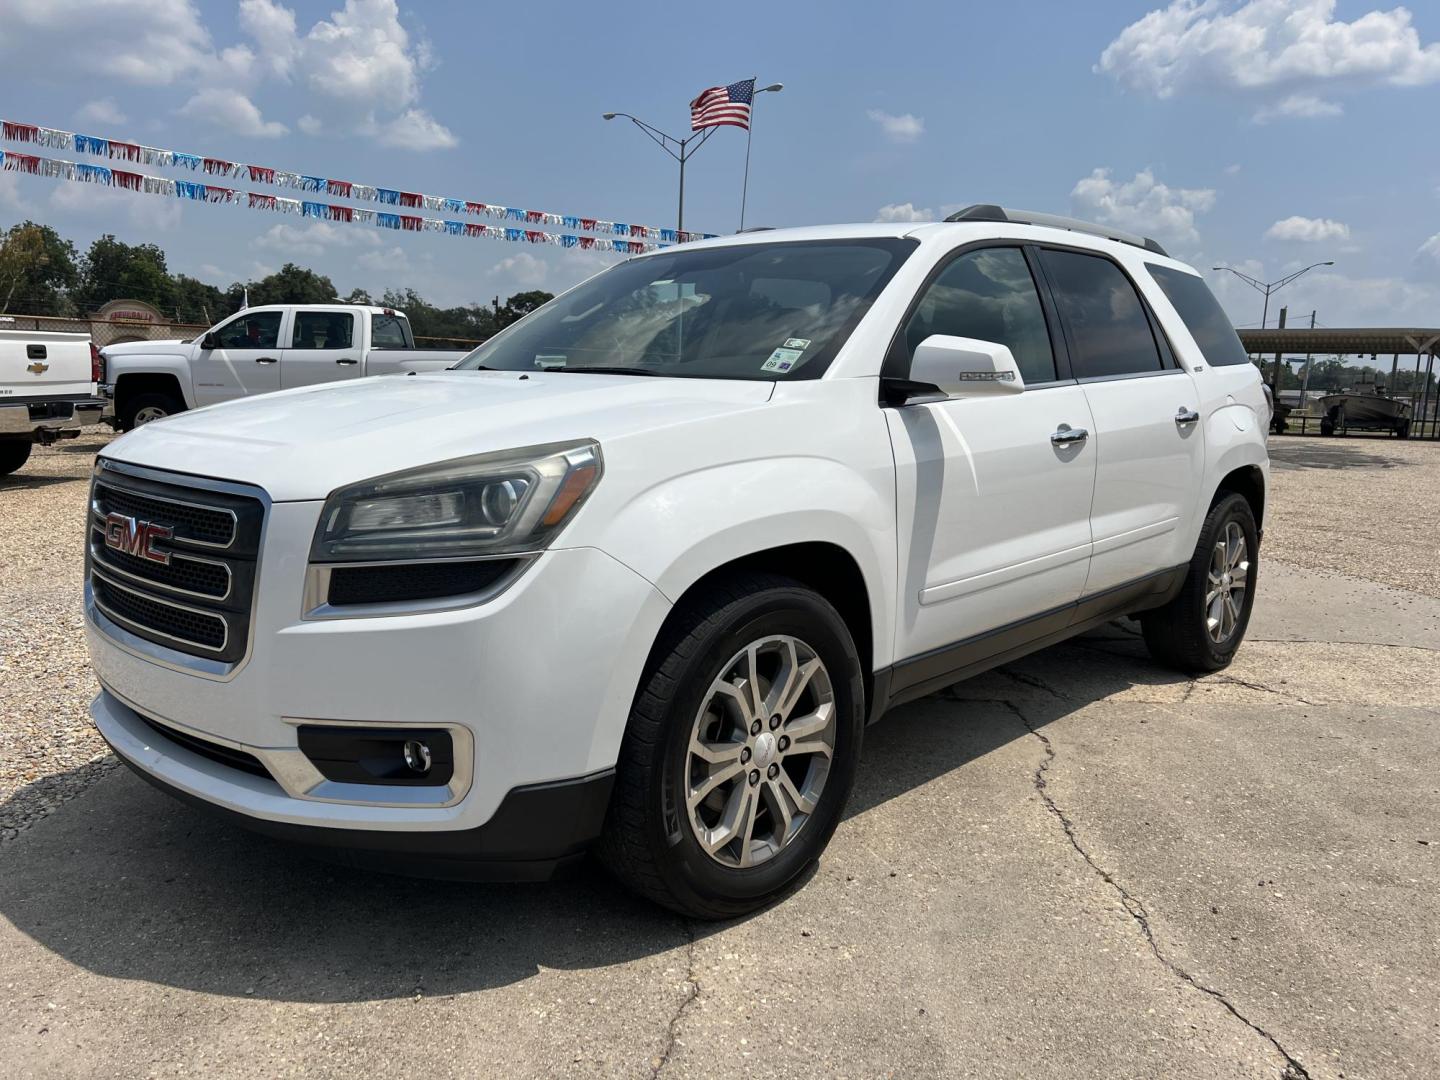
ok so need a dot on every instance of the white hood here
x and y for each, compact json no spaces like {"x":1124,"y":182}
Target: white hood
{"x":167,"y":347}
{"x":303,"y":444}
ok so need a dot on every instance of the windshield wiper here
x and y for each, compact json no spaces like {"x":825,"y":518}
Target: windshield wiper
{"x":601,"y":370}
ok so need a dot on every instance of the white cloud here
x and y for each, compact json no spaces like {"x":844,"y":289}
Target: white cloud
{"x":313,"y":238}
{"x":1265,"y":44}
{"x":273,"y":28}
{"x":1340,"y":300}
{"x":902,"y":128}
{"x":522,"y":270}
{"x":393,"y":262}
{"x":10,"y":198}
{"x":903,"y":212}
{"x":1298,"y":106}
{"x":232,"y":111}
{"x":148,"y":42}
{"x":1232,"y":170}
{"x":105,"y":205}
{"x":100,"y":111}
{"x":1142,"y":205}
{"x":1308,"y":230}
{"x":416,"y":129}
{"x":1431,"y":247}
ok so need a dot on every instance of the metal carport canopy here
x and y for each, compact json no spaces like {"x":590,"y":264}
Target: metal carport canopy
{"x":1404,"y":340}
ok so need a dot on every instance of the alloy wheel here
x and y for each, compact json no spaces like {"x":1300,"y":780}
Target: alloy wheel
{"x":1227,"y":580}
{"x":760,"y":751}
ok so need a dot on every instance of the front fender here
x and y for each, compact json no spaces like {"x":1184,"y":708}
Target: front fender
{"x":117,"y":367}
{"x":682,"y":528}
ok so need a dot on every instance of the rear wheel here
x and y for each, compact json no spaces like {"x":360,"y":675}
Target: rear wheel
{"x":1202,"y":627}
{"x":145,"y":408}
{"x":741,"y":749}
{"x":13,"y":454}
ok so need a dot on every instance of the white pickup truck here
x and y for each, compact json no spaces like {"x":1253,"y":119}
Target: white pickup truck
{"x":642,"y":566}
{"x":47,"y":390}
{"x":259,"y":350}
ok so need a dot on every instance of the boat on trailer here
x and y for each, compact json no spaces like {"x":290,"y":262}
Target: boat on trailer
{"x":1367,"y":407}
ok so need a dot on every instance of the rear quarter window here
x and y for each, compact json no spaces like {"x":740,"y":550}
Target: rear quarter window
{"x":1202,"y":314}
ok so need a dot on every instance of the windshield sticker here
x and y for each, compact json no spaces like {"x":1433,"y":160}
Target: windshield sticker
{"x":549,"y":363}
{"x":801,"y":343}
{"x":781,"y":360}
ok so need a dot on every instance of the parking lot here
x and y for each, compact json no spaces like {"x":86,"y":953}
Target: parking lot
{"x":1079,"y":865}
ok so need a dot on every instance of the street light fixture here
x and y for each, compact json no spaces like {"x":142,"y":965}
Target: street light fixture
{"x":773,"y":88}
{"x":685,"y":152}
{"x":1268,"y":287}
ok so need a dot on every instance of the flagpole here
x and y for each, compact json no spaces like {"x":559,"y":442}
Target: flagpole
{"x":749,"y":132}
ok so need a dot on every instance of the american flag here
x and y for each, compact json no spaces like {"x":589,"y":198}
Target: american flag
{"x":721,"y":105}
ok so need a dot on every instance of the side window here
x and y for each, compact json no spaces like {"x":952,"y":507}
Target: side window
{"x":1109,"y":331}
{"x":988,"y":294}
{"x":258,"y":331}
{"x":323,"y":330}
{"x":389,"y":332}
{"x":1202,"y":315}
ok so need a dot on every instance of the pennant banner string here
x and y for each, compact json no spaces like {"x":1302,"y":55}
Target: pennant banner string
{"x":137,"y":153}
{"x":198,"y":191}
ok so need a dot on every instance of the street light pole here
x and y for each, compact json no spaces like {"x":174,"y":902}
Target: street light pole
{"x":685,"y":152}
{"x":1268,"y":287}
{"x":749,"y":131}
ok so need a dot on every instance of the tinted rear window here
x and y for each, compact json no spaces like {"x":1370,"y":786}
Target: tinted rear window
{"x":1109,"y":331}
{"x":1202,"y":314}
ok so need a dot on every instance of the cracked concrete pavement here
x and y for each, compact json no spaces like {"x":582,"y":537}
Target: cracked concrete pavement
{"x":1081,"y":865}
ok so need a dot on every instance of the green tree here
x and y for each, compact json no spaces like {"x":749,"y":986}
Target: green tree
{"x":198,"y":301}
{"x":290,"y":284}
{"x":114,"y":270}
{"x":522,"y":303}
{"x":37,"y":270}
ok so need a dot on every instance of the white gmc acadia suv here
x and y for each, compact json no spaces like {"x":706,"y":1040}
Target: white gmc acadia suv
{"x":641,"y":568}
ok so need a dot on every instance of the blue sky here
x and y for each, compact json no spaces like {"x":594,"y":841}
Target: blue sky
{"x":1266,"y":134}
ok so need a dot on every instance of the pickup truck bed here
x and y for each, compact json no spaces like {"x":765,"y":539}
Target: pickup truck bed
{"x":47,"y":391}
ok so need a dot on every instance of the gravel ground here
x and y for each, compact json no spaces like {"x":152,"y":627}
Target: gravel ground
{"x":1363,"y":507}
{"x":1367,"y":508}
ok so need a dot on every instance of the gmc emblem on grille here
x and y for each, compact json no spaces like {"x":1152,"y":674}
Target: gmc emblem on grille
{"x":137,"y":537}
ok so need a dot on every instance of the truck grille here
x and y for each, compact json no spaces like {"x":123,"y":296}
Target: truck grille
{"x":174,"y":563}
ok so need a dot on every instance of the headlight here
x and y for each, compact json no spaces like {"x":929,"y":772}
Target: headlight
{"x":491,"y":504}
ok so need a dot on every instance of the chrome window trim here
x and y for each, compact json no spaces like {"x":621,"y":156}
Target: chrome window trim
{"x":153,"y":652}
{"x":229,"y":574}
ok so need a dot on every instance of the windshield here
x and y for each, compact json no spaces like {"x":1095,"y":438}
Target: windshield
{"x":757,"y":311}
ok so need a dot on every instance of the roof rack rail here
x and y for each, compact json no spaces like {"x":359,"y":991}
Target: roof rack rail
{"x":991,"y":212}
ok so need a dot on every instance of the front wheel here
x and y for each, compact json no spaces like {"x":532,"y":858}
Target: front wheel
{"x":1201,"y":628}
{"x":741,"y":749}
{"x":146,"y":408}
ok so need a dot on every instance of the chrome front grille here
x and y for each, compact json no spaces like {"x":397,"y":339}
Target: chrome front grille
{"x":172,"y":560}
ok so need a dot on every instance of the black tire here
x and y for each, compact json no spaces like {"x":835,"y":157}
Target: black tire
{"x":1327,"y":428}
{"x":1402,"y":430}
{"x":13,"y":454}
{"x":1177,"y":634}
{"x":131,"y":407}
{"x":647,"y":842}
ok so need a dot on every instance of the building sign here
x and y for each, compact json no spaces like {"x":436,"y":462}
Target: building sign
{"x":128,"y":311}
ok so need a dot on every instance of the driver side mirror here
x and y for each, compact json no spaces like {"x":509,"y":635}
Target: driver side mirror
{"x":961,"y":367}
{"x":210,"y":341}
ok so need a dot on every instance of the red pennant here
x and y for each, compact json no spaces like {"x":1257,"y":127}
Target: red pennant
{"x":474,"y":229}
{"x":407,"y":221}
{"x":410,"y":198}
{"x":127,"y":150}
{"x":262,"y":173}
{"x":342,"y":213}
{"x":261,"y":202}
{"x":588,"y":224}
{"x":217,"y":166}
{"x":475,"y":208}
{"x":339,"y":187}
{"x":21,"y":132}
{"x":129,"y":180}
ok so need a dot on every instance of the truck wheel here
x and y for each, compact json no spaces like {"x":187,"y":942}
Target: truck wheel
{"x":1201,"y":628}
{"x":13,"y":454}
{"x":143,"y":408}
{"x":741,"y":748}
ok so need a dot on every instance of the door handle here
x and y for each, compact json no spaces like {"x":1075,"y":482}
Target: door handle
{"x":1069,"y":435}
{"x":266,"y":360}
{"x":348,"y":361}
{"x":1186,"y":416}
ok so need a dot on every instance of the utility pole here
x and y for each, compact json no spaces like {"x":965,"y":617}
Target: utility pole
{"x":1275,"y":372}
{"x":1305,"y":383}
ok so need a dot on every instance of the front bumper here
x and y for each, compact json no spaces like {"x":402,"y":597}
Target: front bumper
{"x":536,"y":684}
{"x":46,"y":421}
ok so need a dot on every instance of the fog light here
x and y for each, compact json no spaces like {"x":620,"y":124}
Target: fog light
{"x":420,"y":757}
